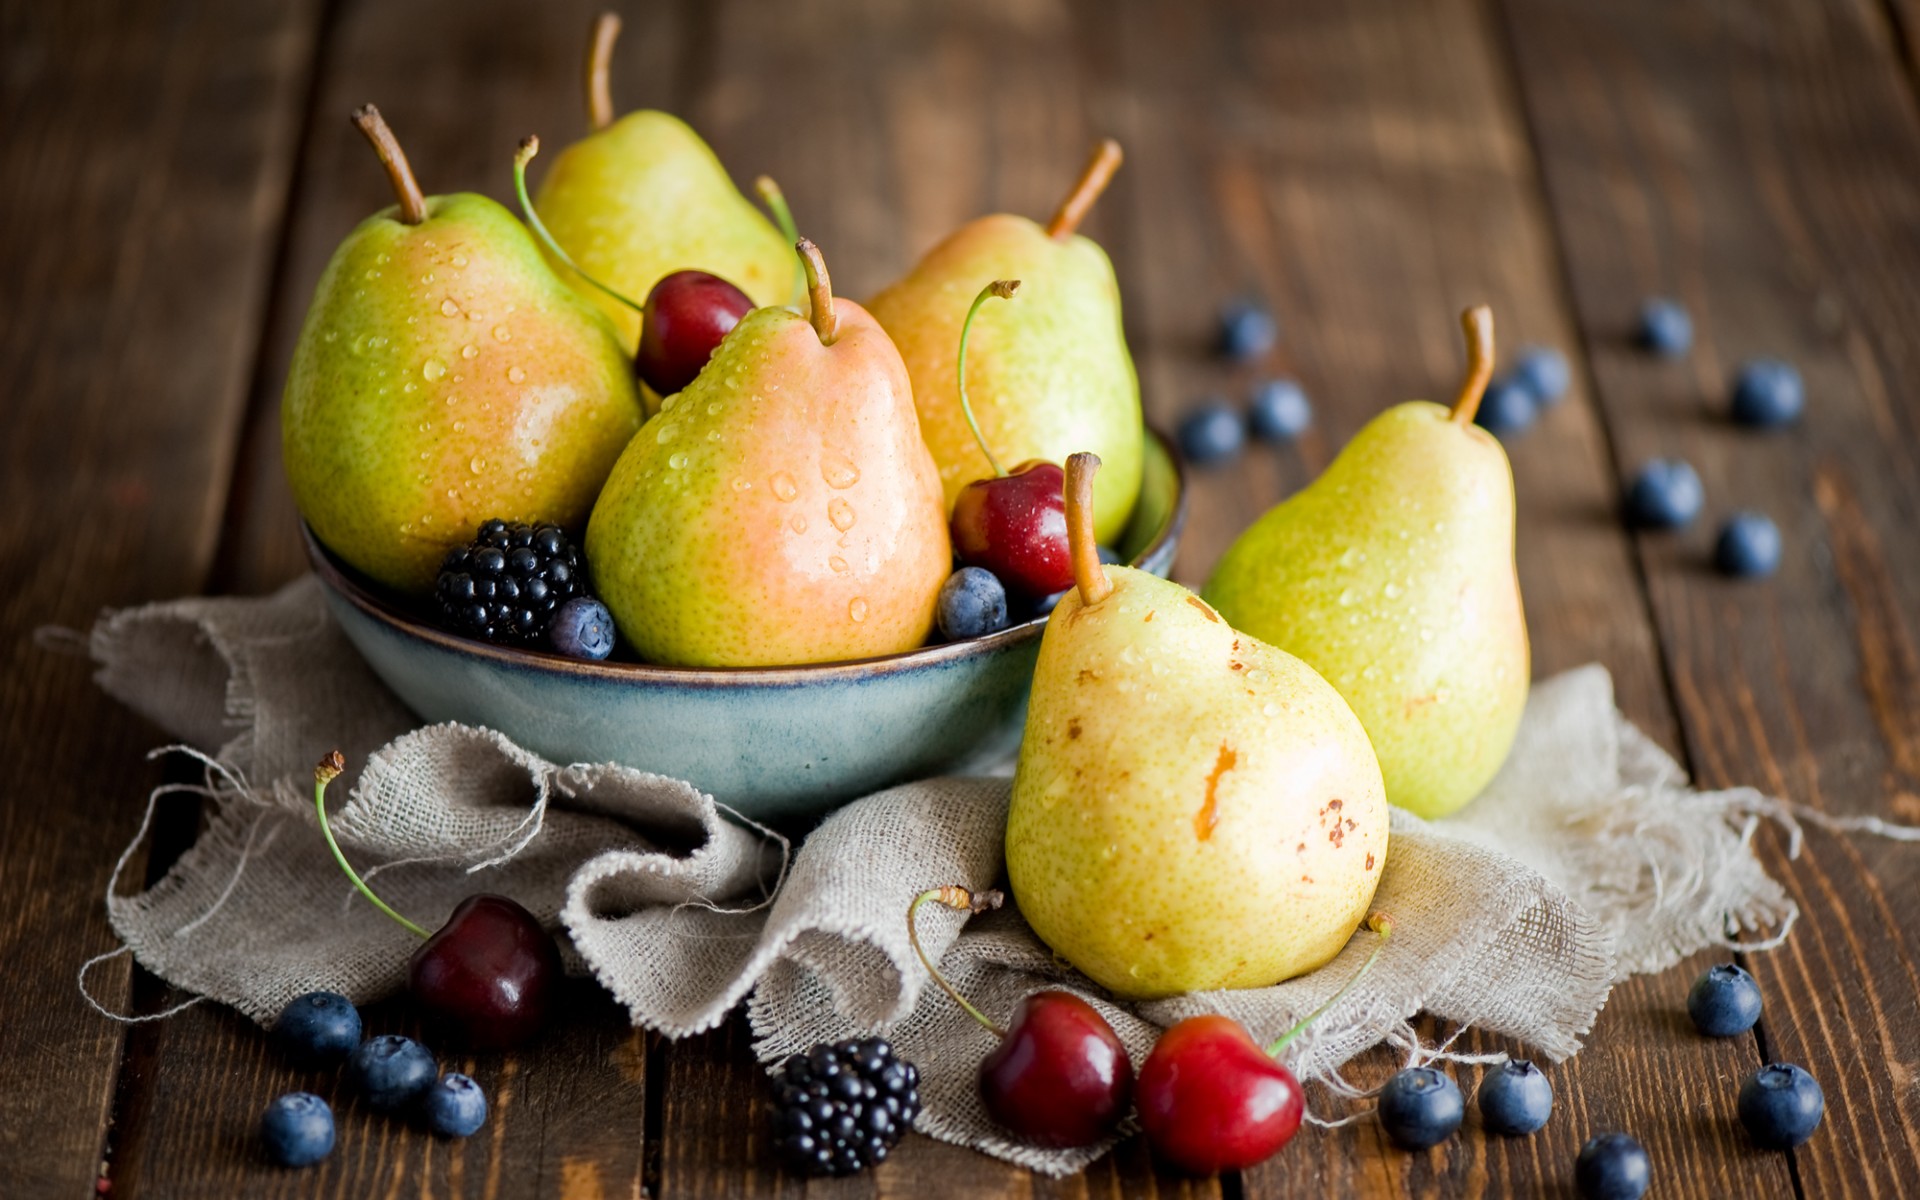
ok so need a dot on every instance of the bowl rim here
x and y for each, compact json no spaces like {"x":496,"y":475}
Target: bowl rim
{"x":339,"y":580}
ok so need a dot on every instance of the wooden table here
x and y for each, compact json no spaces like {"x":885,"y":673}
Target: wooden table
{"x":175,"y":176}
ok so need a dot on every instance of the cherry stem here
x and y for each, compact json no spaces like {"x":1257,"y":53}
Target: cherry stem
{"x":606,"y":29}
{"x":1003,"y":288}
{"x":971,"y":902}
{"x":1477,"y":323}
{"x":413,"y":203}
{"x":329,"y":770}
{"x":530,"y":146}
{"x":819,"y":292}
{"x":1082,"y":549}
{"x":776,"y":202}
{"x":1381,"y":924}
{"x":1105,"y":160}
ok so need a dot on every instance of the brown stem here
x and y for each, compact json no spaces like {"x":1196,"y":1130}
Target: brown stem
{"x":606,"y":28}
{"x":1093,"y":180}
{"x":413,"y":203}
{"x":819,"y":292}
{"x":1477,"y":322}
{"x":1088,"y":574}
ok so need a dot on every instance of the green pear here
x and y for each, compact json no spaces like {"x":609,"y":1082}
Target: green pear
{"x":782,"y":508}
{"x":446,"y":376}
{"x":1393,"y":574}
{"x":1193,"y":808}
{"x":644,"y":196}
{"x":1047,"y":377}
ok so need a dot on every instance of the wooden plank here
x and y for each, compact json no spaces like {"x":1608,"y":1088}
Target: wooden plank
{"x":146,"y":159}
{"x":1360,"y":166}
{"x":913,"y":119}
{"x":1763,"y":165}
{"x":568,"y":1115}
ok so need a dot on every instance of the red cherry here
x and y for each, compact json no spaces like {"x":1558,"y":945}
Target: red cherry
{"x":490,"y":973}
{"x":1211,"y":1099}
{"x":686,"y":315}
{"x":1060,"y":1076}
{"x":1015,"y":525}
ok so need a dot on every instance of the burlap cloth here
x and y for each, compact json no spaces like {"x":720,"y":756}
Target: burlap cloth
{"x":1586,"y":860}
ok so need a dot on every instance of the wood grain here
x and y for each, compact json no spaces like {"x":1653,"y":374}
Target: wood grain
{"x":568,"y":1118}
{"x":1372,"y":179}
{"x":1764,"y":167}
{"x":145,"y":160}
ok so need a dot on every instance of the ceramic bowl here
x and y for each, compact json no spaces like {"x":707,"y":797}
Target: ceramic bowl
{"x":776,"y":743}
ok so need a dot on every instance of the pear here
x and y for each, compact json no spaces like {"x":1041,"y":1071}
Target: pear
{"x":643,"y":196}
{"x":1393,"y":574}
{"x":1048,"y":377}
{"x":782,"y":508}
{"x":445,"y":376}
{"x":1193,"y":808}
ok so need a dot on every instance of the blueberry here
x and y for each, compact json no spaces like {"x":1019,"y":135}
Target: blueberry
{"x":1748,"y":546}
{"x":1612,"y":1166}
{"x":455,"y":1106}
{"x":1543,"y":371}
{"x":1515,"y":1098}
{"x":582,"y":628}
{"x":1212,"y":433}
{"x":1279,"y":411}
{"x":1420,"y":1107}
{"x":1045,"y":605}
{"x":393,"y":1071}
{"x":1767,"y":394}
{"x":1780,"y":1105}
{"x":1508,"y":407}
{"x":1108,"y":555}
{"x":973,"y":603}
{"x":319,"y":1028}
{"x":1247,"y":330}
{"x":297,"y":1129}
{"x":1725,"y":1001}
{"x":1665,"y":328}
{"x":1666,"y":494}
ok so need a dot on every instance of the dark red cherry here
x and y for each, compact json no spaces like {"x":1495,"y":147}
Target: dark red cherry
{"x":1015,"y":525}
{"x":1211,"y":1099}
{"x":686,"y":315}
{"x":1060,"y":1076}
{"x":491,"y":973}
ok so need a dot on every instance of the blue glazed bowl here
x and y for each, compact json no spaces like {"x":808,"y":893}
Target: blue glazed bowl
{"x":776,"y":743}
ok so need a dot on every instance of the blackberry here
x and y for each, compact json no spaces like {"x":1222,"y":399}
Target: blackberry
{"x":841,"y":1108}
{"x":505,"y":584}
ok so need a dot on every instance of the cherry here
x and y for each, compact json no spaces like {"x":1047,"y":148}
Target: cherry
{"x":1011,"y":523}
{"x":490,"y":974}
{"x":686,"y":315}
{"x":1213,"y":1099}
{"x":1060,"y":1075}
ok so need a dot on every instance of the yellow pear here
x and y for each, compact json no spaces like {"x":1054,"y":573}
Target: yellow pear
{"x":1046,"y":378}
{"x":1393,"y":575}
{"x":1193,"y":808}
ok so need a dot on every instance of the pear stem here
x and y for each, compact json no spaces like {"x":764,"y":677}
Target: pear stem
{"x":413,"y":203}
{"x":1477,"y":324}
{"x":326,"y":772}
{"x":530,"y":146}
{"x":819,"y":292}
{"x":776,"y":202}
{"x":1003,"y":288}
{"x":1101,"y":165}
{"x":958,"y":898}
{"x":606,"y":29}
{"x":1088,"y":573}
{"x":1381,"y":924}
